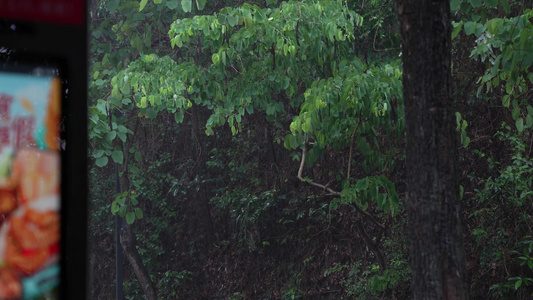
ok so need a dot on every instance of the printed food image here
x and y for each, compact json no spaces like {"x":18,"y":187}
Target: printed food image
{"x":36,"y":173}
{"x":8,"y":202}
{"x":10,"y":287}
{"x":30,"y":234}
{"x":29,"y":186}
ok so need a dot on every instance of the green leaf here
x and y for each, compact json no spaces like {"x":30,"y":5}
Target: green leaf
{"x":138,"y":213}
{"x":186,"y":5}
{"x":112,"y":5}
{"x":118,"y":157}
{"x":250,"y":109}
{"x":142,"y":4}
{"x":114,"y":208}
{"x":530,"y":77}
{"x":138,"y":156}
{"x":172,"y":4}
{"x":456,"y":29}
{"x":475,"y":3}
{"x":111,"y":135}
{"x":122,"y":136}
{"x":505,"y":6}
{"x":529,"y":118}
{"x":215,"y":58}
{"x":381,"y":200}
{"x":292,"y":50}
{"x":98,"y":153}
{"x":285,"y":83}
{"x":520,"y":124}
{"x":466,"y":141}
{"x":130,"y":218}
{"x":506,"y":101}
{"x":178,"y":117}
{"x":122,"y":128}
{"x":491,"y":3}
{"x":200,"y":4}
{"x":361,"y":184}
{"x":470,"y":27}
{"x":518,"y":284}
{"x":233,"y":20}
{"x":454,"y":5}
{"x":516,"y":111}
{"x":290,"y":142}
{"x":122,"y":210}
{"x":148,"y":37}
{"x":102,"y":161}
{"x":363,"y":146}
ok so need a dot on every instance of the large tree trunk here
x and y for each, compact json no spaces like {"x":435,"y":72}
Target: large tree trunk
{"x":436,"y":249}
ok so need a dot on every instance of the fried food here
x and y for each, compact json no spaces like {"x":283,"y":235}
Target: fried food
{"x":37,"y":174}
{"x":8,"y":201}
{"x":10,"y":287}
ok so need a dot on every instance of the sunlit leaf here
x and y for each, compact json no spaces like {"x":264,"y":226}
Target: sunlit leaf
{"x":186,"y":5}
{"x":114,"y":208}
{"x":142,"y":4}
{"x":200,"y":4}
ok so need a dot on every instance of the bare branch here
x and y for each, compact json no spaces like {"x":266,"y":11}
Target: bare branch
{"x":331,"y":191}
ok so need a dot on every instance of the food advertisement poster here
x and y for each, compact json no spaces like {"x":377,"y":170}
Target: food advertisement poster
{"x":29,"y":186}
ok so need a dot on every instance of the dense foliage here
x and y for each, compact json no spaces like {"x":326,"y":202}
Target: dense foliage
{"x":261,"y":153}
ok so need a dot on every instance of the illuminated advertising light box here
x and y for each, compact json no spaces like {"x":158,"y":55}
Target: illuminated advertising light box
{"x":30,"y":184}
{"x":43,"y":149}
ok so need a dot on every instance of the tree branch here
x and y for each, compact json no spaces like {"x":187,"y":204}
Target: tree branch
{"x":331,"y":191}
{"x":370,"y":243}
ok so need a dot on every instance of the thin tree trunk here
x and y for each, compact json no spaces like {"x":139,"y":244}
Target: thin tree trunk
{"x":128,"y":241}
{"x":436,"y":249}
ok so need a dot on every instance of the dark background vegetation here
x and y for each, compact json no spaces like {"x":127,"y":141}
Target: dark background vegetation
{"x":224,"y":216}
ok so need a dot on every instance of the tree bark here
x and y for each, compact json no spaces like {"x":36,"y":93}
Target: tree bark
{"x":437,"y":258}
{"x":127,"y":240}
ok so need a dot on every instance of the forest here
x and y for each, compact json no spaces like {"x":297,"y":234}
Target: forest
{"x":264,"y":150}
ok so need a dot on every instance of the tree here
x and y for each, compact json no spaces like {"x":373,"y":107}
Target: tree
{"x":296,"y":116}
{"x":298,"y":62}
{"x":436,"y":250}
